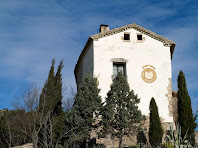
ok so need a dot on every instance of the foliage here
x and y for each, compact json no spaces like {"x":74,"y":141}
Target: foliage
{"x":58,"y":89}
{"x":185,"y":115}
{"x":10,"y":134}
{"x":174,"y":138}
{"x":51,"y":94}
{"x":47,"y":95}
{"x":37,"y":118}
{"x":51,"y":97}
{"x":35,"y":124}
{"x":155,"y":129}
{"x":82,"y":117}
{"x":120,"y":113}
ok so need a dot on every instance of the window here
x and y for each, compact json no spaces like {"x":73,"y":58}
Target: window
{"x":139,"y":37}
{"x":119,"y":67}
{"x":126,"y":36}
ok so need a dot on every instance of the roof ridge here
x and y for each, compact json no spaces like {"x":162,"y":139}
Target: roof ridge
{"x":154,"y":35}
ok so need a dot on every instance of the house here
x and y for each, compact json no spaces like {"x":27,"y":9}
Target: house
{"x":143,"y":56}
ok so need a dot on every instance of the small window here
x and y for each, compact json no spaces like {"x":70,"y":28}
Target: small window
{"x":139,"y":37}
{"x":126,"y":36}
{"x":119,"y":67}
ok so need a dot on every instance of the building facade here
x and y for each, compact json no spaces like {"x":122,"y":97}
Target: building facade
{"x":143,"y":56}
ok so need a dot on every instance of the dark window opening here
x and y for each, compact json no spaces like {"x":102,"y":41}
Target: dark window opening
{"x":119,"y":67}
{"x":139,"y":37}
{"x":126,"y":36}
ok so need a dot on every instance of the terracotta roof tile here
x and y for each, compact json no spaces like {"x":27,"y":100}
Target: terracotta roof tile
{"x":136,"y":27}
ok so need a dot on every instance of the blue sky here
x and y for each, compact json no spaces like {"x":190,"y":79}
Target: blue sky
{"x":33,"y":32}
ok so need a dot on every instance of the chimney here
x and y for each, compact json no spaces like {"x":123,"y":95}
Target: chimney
{"x":103,"y":28}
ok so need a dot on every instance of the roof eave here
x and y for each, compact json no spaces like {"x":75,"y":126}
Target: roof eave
{"x":172,"y":48}
{"x":158,"y":37}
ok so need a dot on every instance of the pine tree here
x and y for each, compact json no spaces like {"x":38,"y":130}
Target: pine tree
{"x":155,"y":129}
{"x":185,"y":115}
{"x":82,"y":117}
{"x":120,"y":114}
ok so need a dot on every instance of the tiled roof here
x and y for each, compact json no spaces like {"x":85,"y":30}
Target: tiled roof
{"x":136,"y":27}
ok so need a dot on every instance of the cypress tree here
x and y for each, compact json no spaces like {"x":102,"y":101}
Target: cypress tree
{"x":47,"y":94}
{"x":120,"y":114}
{"x":58,"y":89}
{"x":51,"y":96}
{"x":185,"y":115}
{"x":51,"y":100}
{"x":82,"y":117}
{"x":59,"y":115}
{"x":155,"y":129}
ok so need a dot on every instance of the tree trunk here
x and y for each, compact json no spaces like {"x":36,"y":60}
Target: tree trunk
{"x":120,"y":140}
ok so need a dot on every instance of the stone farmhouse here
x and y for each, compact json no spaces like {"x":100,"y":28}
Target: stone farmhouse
{"x":144,"y":57}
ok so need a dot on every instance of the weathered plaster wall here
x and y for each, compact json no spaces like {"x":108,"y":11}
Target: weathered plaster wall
{"x":88,"y":61}
{"x":86,"y":65}
{"x":175,"y":106}
{"x":136,"y":54}
{"x":79,"y":74}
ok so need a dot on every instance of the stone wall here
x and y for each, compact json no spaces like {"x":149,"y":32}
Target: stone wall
{"x":141,"y":137}
{"x":114,"y":143}
{"x":175,"y":106}
{"x":196,"y":137}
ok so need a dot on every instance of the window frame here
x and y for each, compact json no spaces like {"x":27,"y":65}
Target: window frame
{"x":127,"y":36}
{"x":139,"y":35}
{"x":117,"y":66}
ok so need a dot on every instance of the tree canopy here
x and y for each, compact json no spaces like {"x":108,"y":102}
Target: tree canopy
{"x":51,"y":100}
{"x":82,"y":117}
{"x":120,"y":113}
{"x":185,"y":115}
{"x":155,"y":129}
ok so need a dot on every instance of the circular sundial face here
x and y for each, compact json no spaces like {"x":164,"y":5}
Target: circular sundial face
{"x":149,"y":75}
